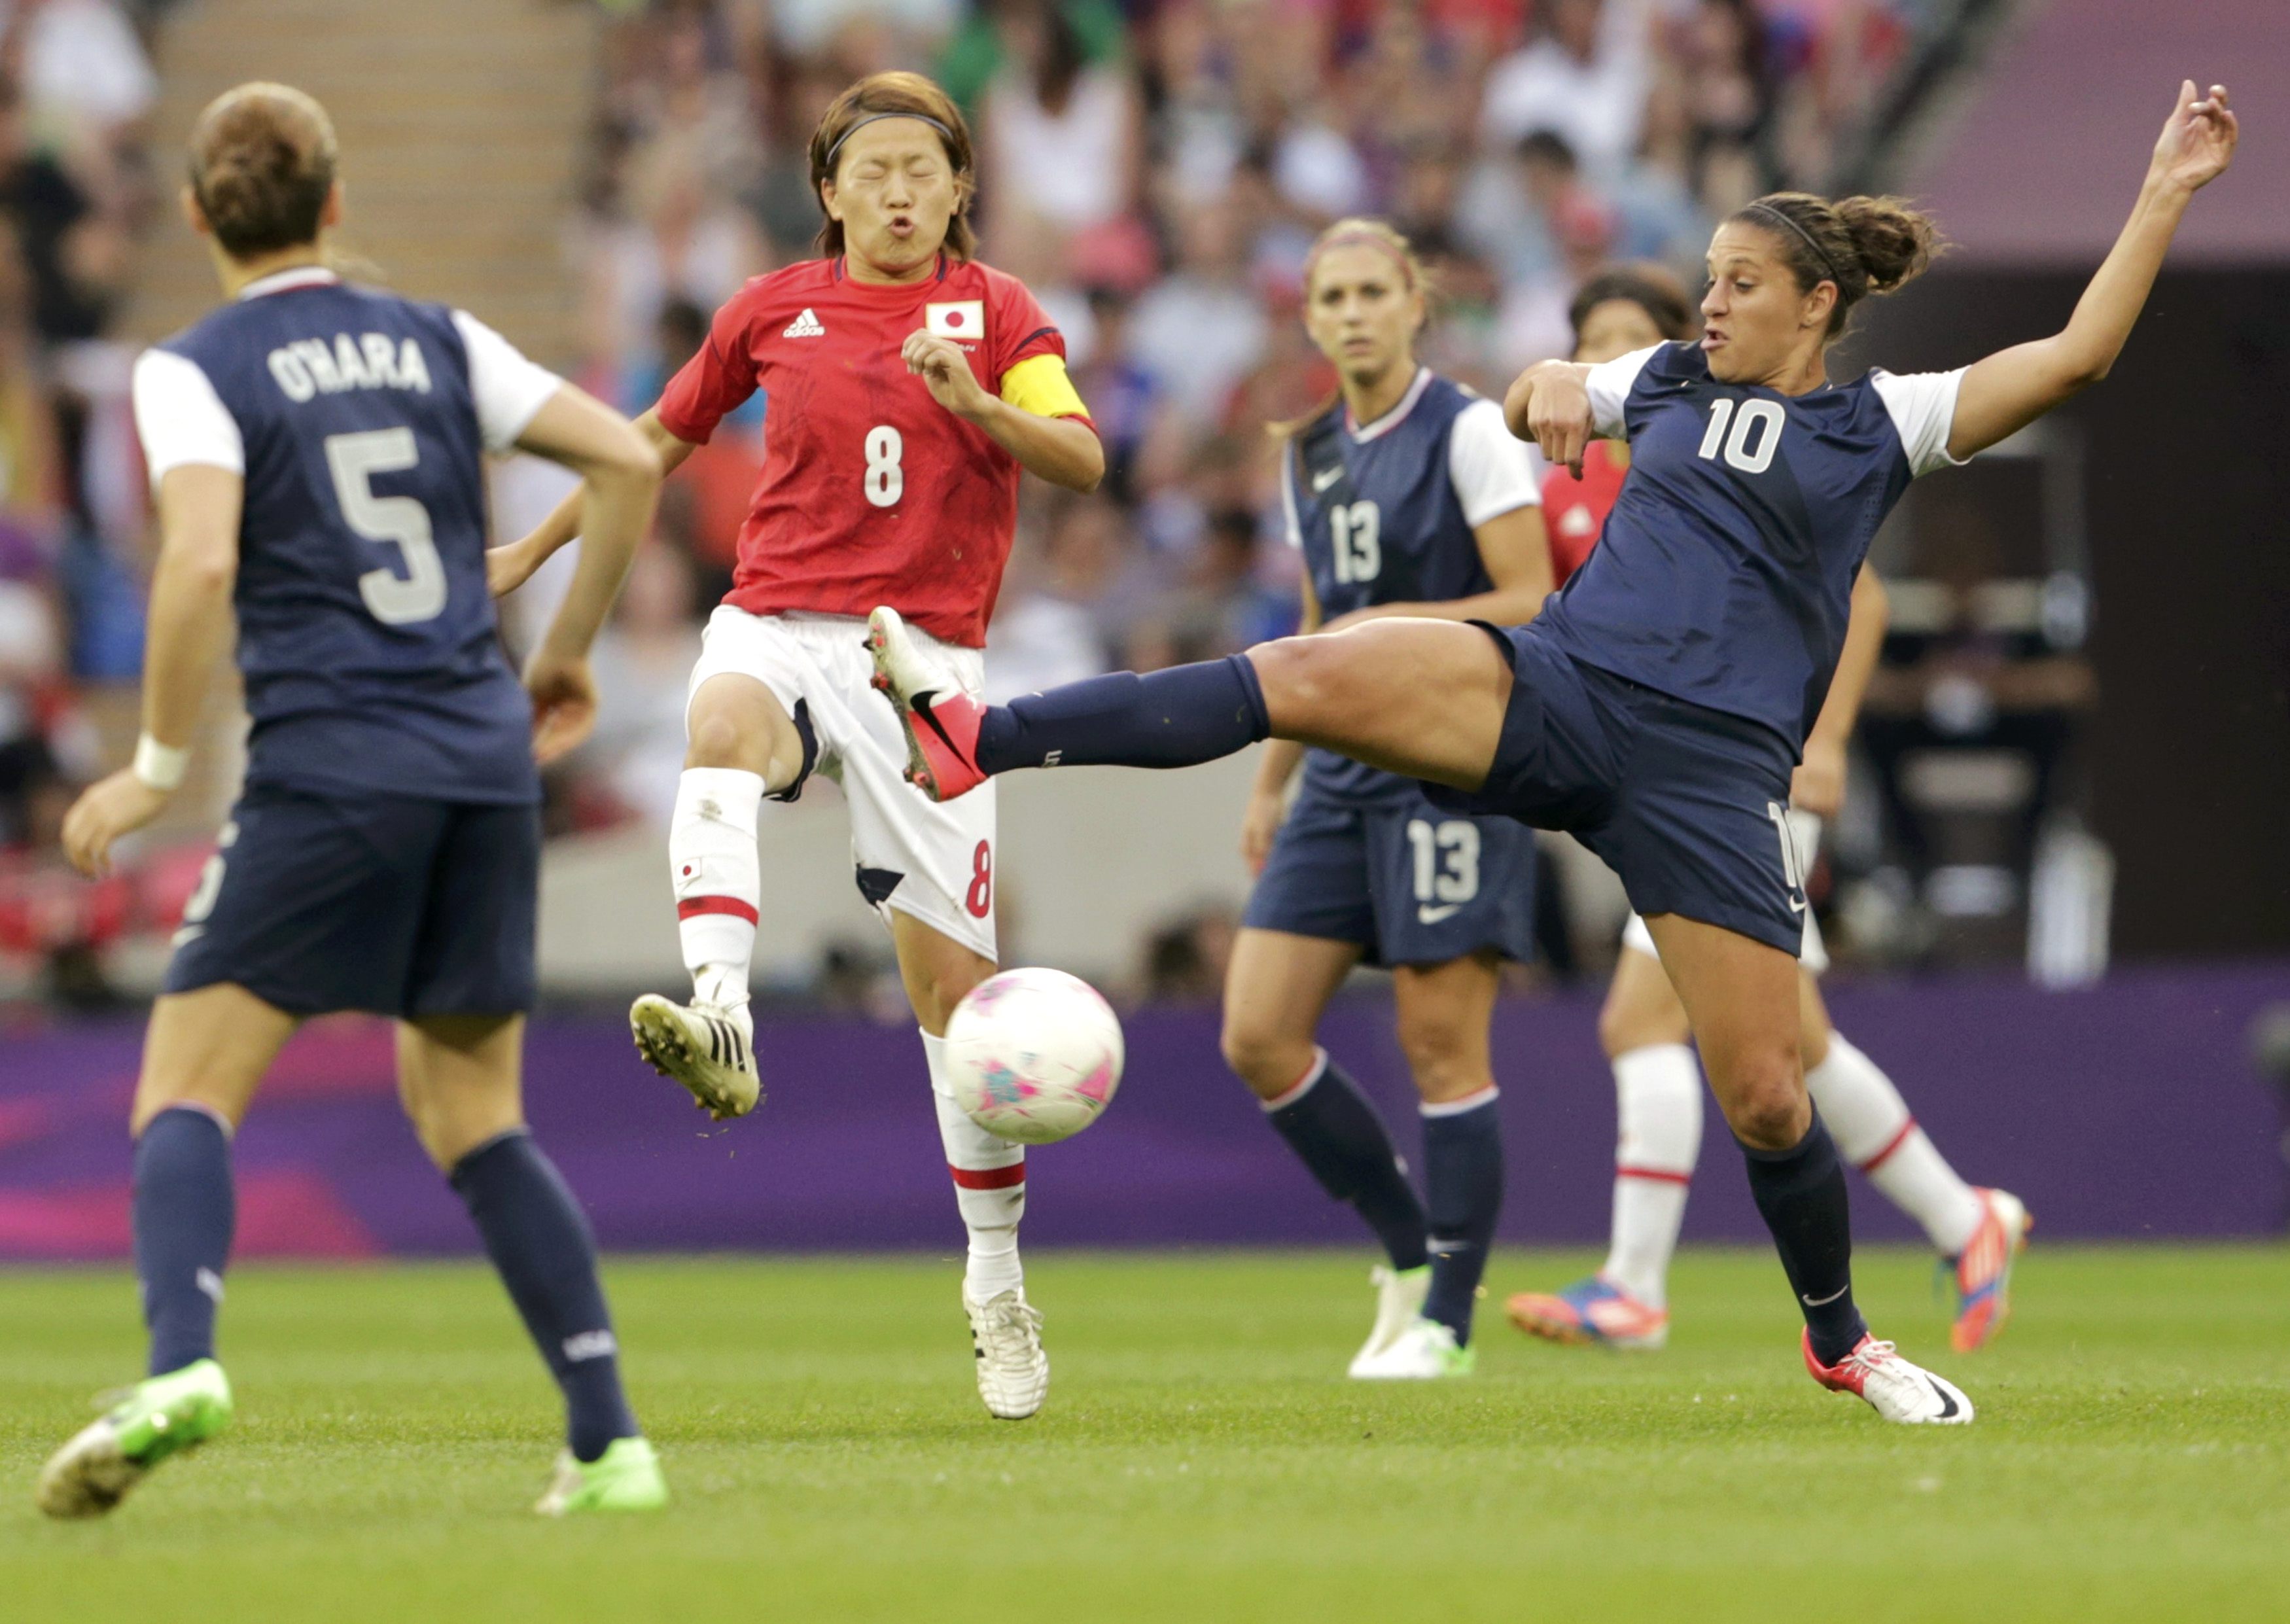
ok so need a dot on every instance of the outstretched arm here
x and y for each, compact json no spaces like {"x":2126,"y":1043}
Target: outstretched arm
{"x":2015,"y":387}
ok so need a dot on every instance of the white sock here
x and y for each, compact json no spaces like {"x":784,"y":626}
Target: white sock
{"x":712,"y":855}
{"x":1871,"y":1125}
{"x":1658,"y":1096}
{"x":989,"y":1187}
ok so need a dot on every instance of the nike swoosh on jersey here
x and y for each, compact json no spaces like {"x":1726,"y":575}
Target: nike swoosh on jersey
{"x":1428,"y":914}
{"x":1326,"y":477}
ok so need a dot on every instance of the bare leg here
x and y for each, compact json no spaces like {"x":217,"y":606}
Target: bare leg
{"x":1275,"y":989}
{"x":1742,"y":997}
{"x":1421,"y":698}
{"x":208,"y":1050}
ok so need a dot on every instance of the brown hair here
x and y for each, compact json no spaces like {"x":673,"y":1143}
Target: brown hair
{"x":1650,"y":287}
{"x":1868,"y":246}
{"x":897,"y":94}
{"x":263,"y":165}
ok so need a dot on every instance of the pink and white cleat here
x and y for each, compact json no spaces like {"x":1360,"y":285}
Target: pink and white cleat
{"x":1892,"y":1387}
{"x":1592,"y":1312}
{"x":940,"y":720}
{"x":1983,"y":1271}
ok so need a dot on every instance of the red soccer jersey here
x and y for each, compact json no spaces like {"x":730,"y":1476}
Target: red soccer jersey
{"x":1574,"y":510}
{"x":871,"y":492}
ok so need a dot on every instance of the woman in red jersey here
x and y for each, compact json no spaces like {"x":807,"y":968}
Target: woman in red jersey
{"x":1642,"y":1027}
{"x":908,"y":386}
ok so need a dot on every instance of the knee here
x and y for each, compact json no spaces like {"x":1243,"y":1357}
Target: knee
{"x":1764,"y":1098}
{"x":717,"y":740}
{"x":1270,"y":1062}
{"x":1299,"y":677}
{"x":1446,"y":1063}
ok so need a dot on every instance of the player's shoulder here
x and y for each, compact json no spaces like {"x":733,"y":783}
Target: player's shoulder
{"x":1675,"y":362}
{"x":790,"y":287}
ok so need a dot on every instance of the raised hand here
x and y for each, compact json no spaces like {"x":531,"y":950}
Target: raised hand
{"x":2198,"y":140}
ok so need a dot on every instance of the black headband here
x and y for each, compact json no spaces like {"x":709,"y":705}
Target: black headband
{"x":1766,"y":208}
{"x":828,"y":163}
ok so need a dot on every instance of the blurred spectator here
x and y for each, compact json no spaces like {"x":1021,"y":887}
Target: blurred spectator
{"x":1585,"y":76}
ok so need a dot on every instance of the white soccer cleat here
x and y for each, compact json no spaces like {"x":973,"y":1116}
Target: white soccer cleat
{"x":1425,"y":1351}
{"x":940,"y":720}
{"x":1399,"y":1294}
{"x":1894,"y":1388}
{"x":708,"y":1048}
{"x":1005,"y":1335}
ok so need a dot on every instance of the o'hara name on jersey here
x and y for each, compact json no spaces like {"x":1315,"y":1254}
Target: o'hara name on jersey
{"x":370,"y":361}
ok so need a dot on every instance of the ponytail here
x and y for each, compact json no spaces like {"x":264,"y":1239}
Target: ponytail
{"x":1865,"y":246}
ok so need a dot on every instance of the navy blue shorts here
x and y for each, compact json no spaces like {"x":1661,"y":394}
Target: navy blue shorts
{"x":1689,"y":805}
{"x":1410,"y":883}
{"x":394,"y":904}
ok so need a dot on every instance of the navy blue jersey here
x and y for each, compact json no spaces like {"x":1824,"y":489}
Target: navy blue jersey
{"x":1384,"y":513}
{"x":1724,"y":574}
{"x":359,"y":420}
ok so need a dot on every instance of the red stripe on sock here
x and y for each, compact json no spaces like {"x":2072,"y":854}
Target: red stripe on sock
{"x":988,"y":1177}
{"x":691,"y":908}
{"x":1891,"y":1145}
{"x":1660,"y":1175}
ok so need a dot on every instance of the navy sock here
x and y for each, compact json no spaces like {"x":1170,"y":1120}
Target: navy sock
{"x":184,"y":1212}
{"x":537,"y":1239}
{"x":1340,"y":1137}
{"x":1175,"y":719}
{"x":1800,"y":1192}
{"x":1463,"y":1174}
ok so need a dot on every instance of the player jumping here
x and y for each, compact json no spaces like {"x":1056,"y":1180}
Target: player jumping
{"x":1644,"y":1028}
{"x":317,"y":451}
{"x":1408,"y":497}
{"x":907,"y":386}
{"x":1658,"y":706}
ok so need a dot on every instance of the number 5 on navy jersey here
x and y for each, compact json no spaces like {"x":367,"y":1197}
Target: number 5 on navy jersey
{"x":353,"y":458}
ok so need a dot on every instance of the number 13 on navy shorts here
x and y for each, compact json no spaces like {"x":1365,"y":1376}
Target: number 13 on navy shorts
{"x":912,"y":855}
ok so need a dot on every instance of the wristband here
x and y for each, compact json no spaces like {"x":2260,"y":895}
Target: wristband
{"x":159,"y":766}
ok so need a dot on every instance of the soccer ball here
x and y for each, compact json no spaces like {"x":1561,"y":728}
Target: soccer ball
{"x":1036,"y":1054}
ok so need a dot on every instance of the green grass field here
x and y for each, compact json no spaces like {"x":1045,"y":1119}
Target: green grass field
{"x":1201,"y":1456}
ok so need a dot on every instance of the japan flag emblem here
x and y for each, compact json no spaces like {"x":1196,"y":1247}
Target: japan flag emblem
{"x":963,"y":320}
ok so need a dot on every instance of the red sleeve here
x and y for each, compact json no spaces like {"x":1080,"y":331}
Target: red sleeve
{"x":1022,"y":329}
{"x":717,"y":380}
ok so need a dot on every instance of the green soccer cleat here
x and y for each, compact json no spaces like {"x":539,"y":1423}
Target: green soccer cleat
{"x":158,"y":1417}
{"x":626,"y":1477}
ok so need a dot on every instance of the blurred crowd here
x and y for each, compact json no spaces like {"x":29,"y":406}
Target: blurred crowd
{"x":1156,"y":170}
{"x":76,"y":190}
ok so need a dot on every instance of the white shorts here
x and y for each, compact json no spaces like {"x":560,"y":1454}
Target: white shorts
{"x":1805,"y":835}
{"x":932,"y":862}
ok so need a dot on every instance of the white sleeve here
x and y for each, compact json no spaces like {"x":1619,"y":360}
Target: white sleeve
{"x":1492,"y":473}
{"x":180,"y":419}
{"x":1923,"y":406}
{"x":508,"y":388}
{"x":1609,"y":383}
{"x":1290,"y":458}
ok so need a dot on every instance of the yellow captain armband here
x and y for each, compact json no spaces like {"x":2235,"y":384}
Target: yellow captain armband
{"x":1040,"y":385}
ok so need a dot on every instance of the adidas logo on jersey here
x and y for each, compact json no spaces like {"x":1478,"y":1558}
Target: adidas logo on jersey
{"x":804,"y":326}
